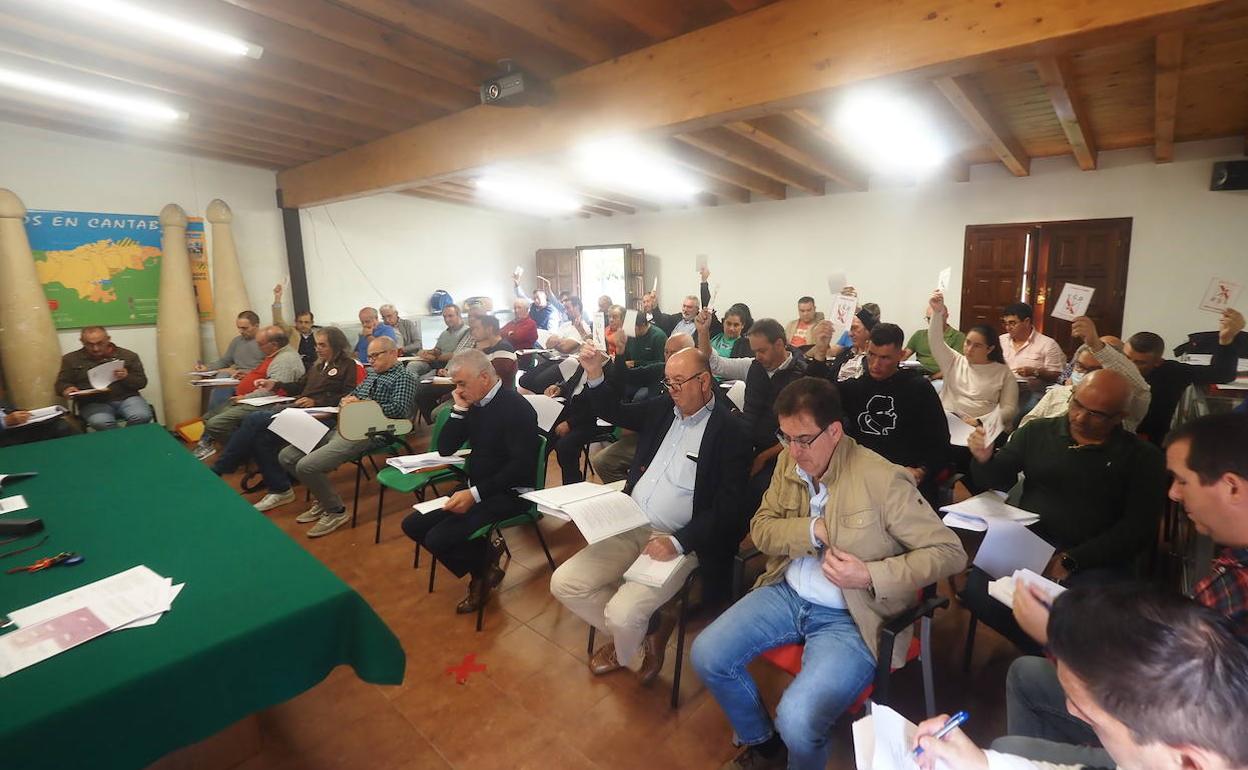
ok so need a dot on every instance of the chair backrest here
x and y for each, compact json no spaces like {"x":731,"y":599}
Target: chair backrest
{"x":360,"y":372}
{"x":359,"y":420}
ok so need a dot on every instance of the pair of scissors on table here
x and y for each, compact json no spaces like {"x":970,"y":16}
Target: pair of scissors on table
{"x":65,"y":558}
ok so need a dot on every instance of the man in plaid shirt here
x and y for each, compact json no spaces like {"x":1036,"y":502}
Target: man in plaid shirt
{"x":394,"y":390}
{"x":1208,"y":461}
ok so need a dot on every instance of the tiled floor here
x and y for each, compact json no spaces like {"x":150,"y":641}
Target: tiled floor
{"x":536,"y":705}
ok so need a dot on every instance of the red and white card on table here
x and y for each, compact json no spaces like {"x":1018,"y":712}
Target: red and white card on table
{"x":1073,"y":301}
{"x":1220,"y":295}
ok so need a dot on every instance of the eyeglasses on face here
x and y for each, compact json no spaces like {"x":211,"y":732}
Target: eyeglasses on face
{"x":378,"y":354}
{"x":1075,"y":406}
{"x":675,"y":385}
{"x":802,"y":441}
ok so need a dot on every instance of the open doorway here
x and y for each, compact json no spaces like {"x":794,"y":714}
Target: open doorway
{"x":603,"y":272}
{"x":1031,"y":262}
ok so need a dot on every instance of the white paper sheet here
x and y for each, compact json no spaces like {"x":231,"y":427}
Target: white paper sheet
{"x":557,"y":497}
{"x":1220,"y":295}
{"x":215,"y":382}
{"x":702,"y":262}
{"x":102,"y":376}
{"x":42,"y":414}
{"x":841,"y":314}
{"x":151,"y":620}
{"x":13,"y":503}
{"x":600,"y":331}
{"x":1197,"y":359}
{"x":604,"y":516}
{"x":736,"y":394}
{"x":652,"y":572}
{"x":423,"y":461}
{"x":979,"y":512}
{"x":139,"y":579}
{"x":654,"y":287}
{"x":322,"y":410}
{"x":265,"y":400}
{"x":548,"y":410}
{"x":884,"y":740}
{"x":630,"y":323}
{"x":204,"y":373}
{"x":1002,"y":589}
{"x":543,"y":337}
{"x":836,"y":283}
{"x":1010,"y":546}
{"x":300,"y":429}
{"x":943,"y":278}
{"x":959,"y":431}
{"x":991,"y":423}
{"x":35,"y":643}
{"x":1072,"y":302}
{"x":430,"y":506}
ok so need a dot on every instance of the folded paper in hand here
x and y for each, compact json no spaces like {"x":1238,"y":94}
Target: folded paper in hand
{"x":104,"y":375}
{"x":1002,"y":589}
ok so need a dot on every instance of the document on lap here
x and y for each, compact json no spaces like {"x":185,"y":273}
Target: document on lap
{"x":429,"y":506}
{"x":884,"y":740}
{"x":980,"y":512}
{"x":300,"y":429}
{"x":265,"y":400}
{"x":425,"y":461}
{"x":1009,"y":546}
{"x":599,"y":511}
{"x":214,"y":382}
{"x":652,"y":572}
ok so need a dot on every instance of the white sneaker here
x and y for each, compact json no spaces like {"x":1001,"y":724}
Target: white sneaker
{"x":273,"y":500}
{"x":312,"y":514}
{"x":328,"y":523}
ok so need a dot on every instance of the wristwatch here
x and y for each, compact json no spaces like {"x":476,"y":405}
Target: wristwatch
{"x":1068,"y":563}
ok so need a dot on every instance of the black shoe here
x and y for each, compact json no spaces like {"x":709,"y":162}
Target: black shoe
{"x":478,"y":594}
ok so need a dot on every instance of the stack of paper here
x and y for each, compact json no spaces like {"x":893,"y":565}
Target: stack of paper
{"x":424,"y":461}
{"x":652,"y":572}
{"x":214,"y":382}
{"x":130,"y":599}
{"x":42,"y":415}
{"x":597,"y":510}
{"x":980,"y":512}
{"x":1003,"y":589}
{"x":265,"y":400}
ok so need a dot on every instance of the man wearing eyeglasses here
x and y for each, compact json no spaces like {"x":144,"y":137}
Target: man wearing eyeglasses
{"x":851,"y":541}
{"x":688,"y":475}
{"x":1097,"y":489}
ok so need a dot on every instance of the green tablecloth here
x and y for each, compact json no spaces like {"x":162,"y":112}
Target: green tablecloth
{"x":260,"y":620}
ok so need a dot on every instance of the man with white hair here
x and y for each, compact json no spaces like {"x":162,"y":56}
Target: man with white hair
{"x":409,"y":330}
{"x":520,"y":331}
{"x":501,"y":427}
{"x":372,"y":328}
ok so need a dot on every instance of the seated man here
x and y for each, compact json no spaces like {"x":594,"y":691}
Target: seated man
{"x":1098,"y":490}
{"x":643,"y":354}
{"x":1208,"y":462}
{"x":613,"y":461}
{"x":393,"y":389}
{"x":773,"y":367}
{"x":452,"y":340}
{"x":688,"y":477}
{"x":851,"y":543}
{"x":501,"y":427}
{"x":100,"y":411}
{"x":485,"y":334}
{"x":325,"y":383}
{"x":306,"y":327}
{"x":280,"y":363}
{"x":1033,"y":356}
{"x":520,"y":331}
{"x":409,"y":330}
{"x":799,"y":332}
{"x":372,"y":328}
{"x":920,"y":345}
{"x":897,"y":413}
{"x":15,"y":427}
{"x":544,"y":315}
{"x":241,"y":356}
{"x":1168,"y":379}
{"x":1096,"y":353}
{"x":1161,"y":680}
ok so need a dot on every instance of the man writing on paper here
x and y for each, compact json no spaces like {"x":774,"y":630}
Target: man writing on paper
{"x":394,"y":390}
{"x":1161,"y":681}
{"x":501,"y":428}
{"x":1208,"y":462}
{"x":688,"y":476}
{"x":851,"y":543}
{"x":1097,"y":489}
{"x":101,"y":410}
{"x":241,"y":356}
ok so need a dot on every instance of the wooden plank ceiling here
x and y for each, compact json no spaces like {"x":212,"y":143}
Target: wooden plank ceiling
{"x":336,"y":74}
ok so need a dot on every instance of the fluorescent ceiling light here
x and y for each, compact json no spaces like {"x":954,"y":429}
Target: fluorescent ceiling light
{"x":891,"y":133}
{"x":623,"y":165}
{"x":108,"y":102}
{"x":138,"y":18}
{"x":524,"y":195}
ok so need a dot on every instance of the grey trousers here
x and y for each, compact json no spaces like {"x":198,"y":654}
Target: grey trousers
{"x":222,"y":424}
{"x":313,"y":469}
{"x":612,"y":463}
{"x":1040,"y":727}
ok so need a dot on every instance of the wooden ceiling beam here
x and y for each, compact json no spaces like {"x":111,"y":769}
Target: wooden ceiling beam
{"x":362,"y":33}
{"x":537,"y":18}
{"x":971,"y":103}
{"x":715,"y":167}
{"x":789,"y":140}
{"x":1055,"y":73}
{"x":779,"y":56}
{"x":606,"y":204}
{"x":1169,"y":66}
{"x":737,"y":149}
{"x":620,"y":200}
{"x":657,"y":19}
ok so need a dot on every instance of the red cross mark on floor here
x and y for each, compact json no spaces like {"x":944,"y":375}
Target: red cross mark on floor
{"x":464,"y":670}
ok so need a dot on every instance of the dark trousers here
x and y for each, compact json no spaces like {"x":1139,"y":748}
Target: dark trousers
{"x":445,"y":534}
{"x":541,"y":377}
{"x":568,"y":451}
{"x":429,"y":395}
{"x":254,"y":441}
{"x":40,"y":431}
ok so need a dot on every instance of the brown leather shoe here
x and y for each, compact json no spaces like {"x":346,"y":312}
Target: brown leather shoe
{"x":750,"y":758}
{"x":603,"y":661}
{"x":478,"y":594}
{"x":654,"y":648}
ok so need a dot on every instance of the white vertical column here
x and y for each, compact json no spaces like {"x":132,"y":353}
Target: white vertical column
{"x":229,"y":294}
{"x":28,"y":343}
{"x":177,"y":321}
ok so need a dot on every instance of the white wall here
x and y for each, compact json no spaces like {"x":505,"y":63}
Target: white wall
{"x":60,"y":171}
{"x":398,"y":249}
{"x":893,"y":242}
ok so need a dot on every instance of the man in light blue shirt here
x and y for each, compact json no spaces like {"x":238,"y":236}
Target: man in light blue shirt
{"x":372,"y":328}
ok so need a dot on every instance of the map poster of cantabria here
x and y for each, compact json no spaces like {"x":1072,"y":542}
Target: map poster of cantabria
{"x":104,"y":269}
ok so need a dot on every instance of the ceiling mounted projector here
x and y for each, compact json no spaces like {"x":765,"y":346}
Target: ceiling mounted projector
{"x":514,"y":87}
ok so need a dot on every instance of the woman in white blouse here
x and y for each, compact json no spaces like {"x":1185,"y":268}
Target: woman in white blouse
{"x":976,"y":379}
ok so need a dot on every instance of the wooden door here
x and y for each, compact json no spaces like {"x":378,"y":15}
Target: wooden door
{"x":1092,"y":253}
{"x":634,"y":278}
{"x":994,"y":270}
{"x":562,"y":267}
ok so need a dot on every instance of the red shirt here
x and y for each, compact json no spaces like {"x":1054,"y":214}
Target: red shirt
{"x":248,"y":383}
{"x":522,"y":333}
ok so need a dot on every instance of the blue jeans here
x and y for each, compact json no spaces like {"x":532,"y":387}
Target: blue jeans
{"x":253,"y":440}
{"x":836,"y":666}
{"x":102,"y":415}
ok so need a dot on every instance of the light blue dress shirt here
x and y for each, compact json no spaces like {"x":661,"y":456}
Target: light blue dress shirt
{"x":804,"y":574}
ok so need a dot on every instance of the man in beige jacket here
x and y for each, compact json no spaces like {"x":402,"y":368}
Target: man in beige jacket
{"x":851,"y":543}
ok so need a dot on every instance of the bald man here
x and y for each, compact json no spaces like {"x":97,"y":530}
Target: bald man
{"x":1098,"y":489}
{"x":688,"y":476}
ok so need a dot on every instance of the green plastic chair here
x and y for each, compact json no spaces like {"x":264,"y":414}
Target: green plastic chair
{"x":415,"y":483}
{"x":531,"y":516}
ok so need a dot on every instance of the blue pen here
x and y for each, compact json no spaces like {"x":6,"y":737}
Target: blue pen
{"x":955,"y":721}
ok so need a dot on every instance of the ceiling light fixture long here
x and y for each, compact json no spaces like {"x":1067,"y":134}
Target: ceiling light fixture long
{"x":110,"y":103}
{"x":160,"y":24}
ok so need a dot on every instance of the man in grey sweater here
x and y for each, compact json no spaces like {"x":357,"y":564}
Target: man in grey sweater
{"x":409,"y":330}
{"x":242,"y":355}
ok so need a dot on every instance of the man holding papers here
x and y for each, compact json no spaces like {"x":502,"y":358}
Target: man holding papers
{"x":393,"y":389}
{"x":501,"y":428}
{"x":688,"y":477}
{"x":851,"y":543}
{"x":1097,"y":489}
{"x":100,"y":406}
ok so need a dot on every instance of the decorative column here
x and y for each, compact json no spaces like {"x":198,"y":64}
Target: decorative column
{"x":229,"y":294}
{"x":177,"y":321}
{"x":28,"y":343}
